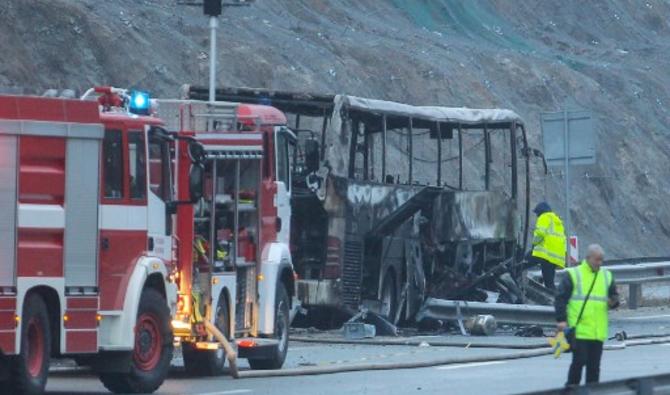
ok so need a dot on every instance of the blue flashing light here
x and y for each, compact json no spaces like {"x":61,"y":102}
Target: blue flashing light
{"x":139,"y":103}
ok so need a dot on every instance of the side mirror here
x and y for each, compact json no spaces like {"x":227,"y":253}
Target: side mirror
{"x":196,"y":152}
{"x":312,"y":158}
{"x":196,"y":182}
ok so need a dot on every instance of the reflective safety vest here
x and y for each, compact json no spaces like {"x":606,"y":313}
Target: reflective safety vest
{"x":593,"y":324}
{"x":549,"y":239}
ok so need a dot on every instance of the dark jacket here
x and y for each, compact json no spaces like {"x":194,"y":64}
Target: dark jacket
{"x":565,"y":292}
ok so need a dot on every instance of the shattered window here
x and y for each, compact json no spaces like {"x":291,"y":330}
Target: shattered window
{"x":501,"y":161}
{"x":424,"y":152}
{"x":357,"y":133}
{"x":474,"y":156}
{"x":397,"y":150}
{"x":450,"y":164}
{"x":375,"y":156}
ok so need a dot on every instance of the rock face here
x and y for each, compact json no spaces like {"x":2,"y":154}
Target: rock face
{"x":608,"y":56}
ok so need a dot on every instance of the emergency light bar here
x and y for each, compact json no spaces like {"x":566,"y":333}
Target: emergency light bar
{"x":140,"y":103}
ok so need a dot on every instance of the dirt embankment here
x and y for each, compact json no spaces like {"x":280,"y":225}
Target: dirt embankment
{"x":609,"y":56}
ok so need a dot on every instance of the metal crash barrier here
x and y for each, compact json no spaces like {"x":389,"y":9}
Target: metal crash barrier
{"x":633,"y":272}
{"x":634,"y":275}
{"x":441,"y":309}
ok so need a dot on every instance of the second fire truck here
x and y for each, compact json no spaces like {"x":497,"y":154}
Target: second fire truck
{"x":120,"y":234}
{"x":234,"y":261}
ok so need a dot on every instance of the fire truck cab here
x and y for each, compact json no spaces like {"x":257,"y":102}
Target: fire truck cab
{"x":86,"y":231}
{"x":235,"y":267}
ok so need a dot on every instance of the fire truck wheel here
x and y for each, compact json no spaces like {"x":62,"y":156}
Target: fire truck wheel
{"x":281,"y":333}
{"x":153,"y":349}
{"x":389,"y":297}
{"x":205,"y":362}
{"x":31,"y":367}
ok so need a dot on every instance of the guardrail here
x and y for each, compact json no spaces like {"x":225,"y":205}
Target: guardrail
{"x":635,"y":261}
{"x":636,"y":271}
{"x":441,"y":309}
{"x":647,"y":385}
{"x":636,"y":274}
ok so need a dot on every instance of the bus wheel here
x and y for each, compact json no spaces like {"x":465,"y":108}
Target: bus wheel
{"x":31,"y":367}
{"x":206,"y":362}
{"x":152,"y":353}
{"x":281,"y":334}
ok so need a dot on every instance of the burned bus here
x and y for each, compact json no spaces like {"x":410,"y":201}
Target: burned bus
{"x":392,"y":203}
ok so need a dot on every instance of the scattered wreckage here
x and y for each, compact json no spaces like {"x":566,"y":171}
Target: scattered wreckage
{"x":393,"y":204}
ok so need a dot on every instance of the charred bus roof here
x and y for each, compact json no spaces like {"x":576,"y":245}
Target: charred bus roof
{"x":311,"y":104}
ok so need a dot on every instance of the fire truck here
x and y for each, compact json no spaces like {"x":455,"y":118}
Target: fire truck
{"x":234,"y":263}
{"x":100,"y":260}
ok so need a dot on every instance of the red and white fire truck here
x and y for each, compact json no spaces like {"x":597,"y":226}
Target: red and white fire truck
{"x":99,"y":259}
{"x":234,"y":261}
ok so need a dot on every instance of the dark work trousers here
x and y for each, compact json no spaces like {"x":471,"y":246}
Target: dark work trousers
{"x":548,"y":271}
{"x":586,"y":352}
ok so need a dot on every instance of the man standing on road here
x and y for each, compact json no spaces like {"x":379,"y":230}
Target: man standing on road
{"x":548,"y":244}
{"x":584,"y":296}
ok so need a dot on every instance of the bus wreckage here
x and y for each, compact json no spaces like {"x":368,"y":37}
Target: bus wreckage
{"x":393,"y":203}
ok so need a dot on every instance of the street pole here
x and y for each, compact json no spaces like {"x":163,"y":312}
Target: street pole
{"x":213,"y":27}
{"x":566,"y":145}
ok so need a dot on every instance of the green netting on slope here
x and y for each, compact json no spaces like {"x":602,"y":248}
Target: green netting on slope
{"x":472,"y":19}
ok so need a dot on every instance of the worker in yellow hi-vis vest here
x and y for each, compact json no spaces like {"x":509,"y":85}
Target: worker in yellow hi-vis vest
{"x":548,"y":244}
{"x":585,"y":294}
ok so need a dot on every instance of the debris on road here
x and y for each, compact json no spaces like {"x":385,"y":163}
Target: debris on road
{"x":369,"y":318}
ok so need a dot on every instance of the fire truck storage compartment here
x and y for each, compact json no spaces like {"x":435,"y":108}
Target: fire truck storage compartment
{"x":229,"y":220}
{"x":77,"y":164}
{"x":81,"y":214}
{"x":8,"y":193}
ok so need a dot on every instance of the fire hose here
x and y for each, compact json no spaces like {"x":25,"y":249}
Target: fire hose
{"x":231,"y":355}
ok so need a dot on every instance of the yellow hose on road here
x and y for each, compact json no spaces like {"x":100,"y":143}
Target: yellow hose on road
{"x":231,"y":355}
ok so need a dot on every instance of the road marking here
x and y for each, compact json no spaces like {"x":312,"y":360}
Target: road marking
{"x":468,"y":365}
{"x":646,"y":317}
{"x":230,"y":392}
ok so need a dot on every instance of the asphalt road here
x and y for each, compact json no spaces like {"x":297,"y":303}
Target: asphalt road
{"x":500,"y":377}
{"x":503,"y":377}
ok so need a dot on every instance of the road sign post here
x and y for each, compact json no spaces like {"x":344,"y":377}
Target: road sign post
{"x":569,"y":140}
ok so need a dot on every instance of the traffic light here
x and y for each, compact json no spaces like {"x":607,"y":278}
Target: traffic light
{"x":213,"y":7}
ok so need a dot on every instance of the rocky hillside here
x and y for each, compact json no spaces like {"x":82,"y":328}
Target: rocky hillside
{"x":608,"y":56}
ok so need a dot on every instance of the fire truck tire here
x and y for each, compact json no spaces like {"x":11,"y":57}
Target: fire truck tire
{"x":31,"y":367}
{"x":281,"y":333}
{"x":205,"y":362}
{"x":153,"y":349}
